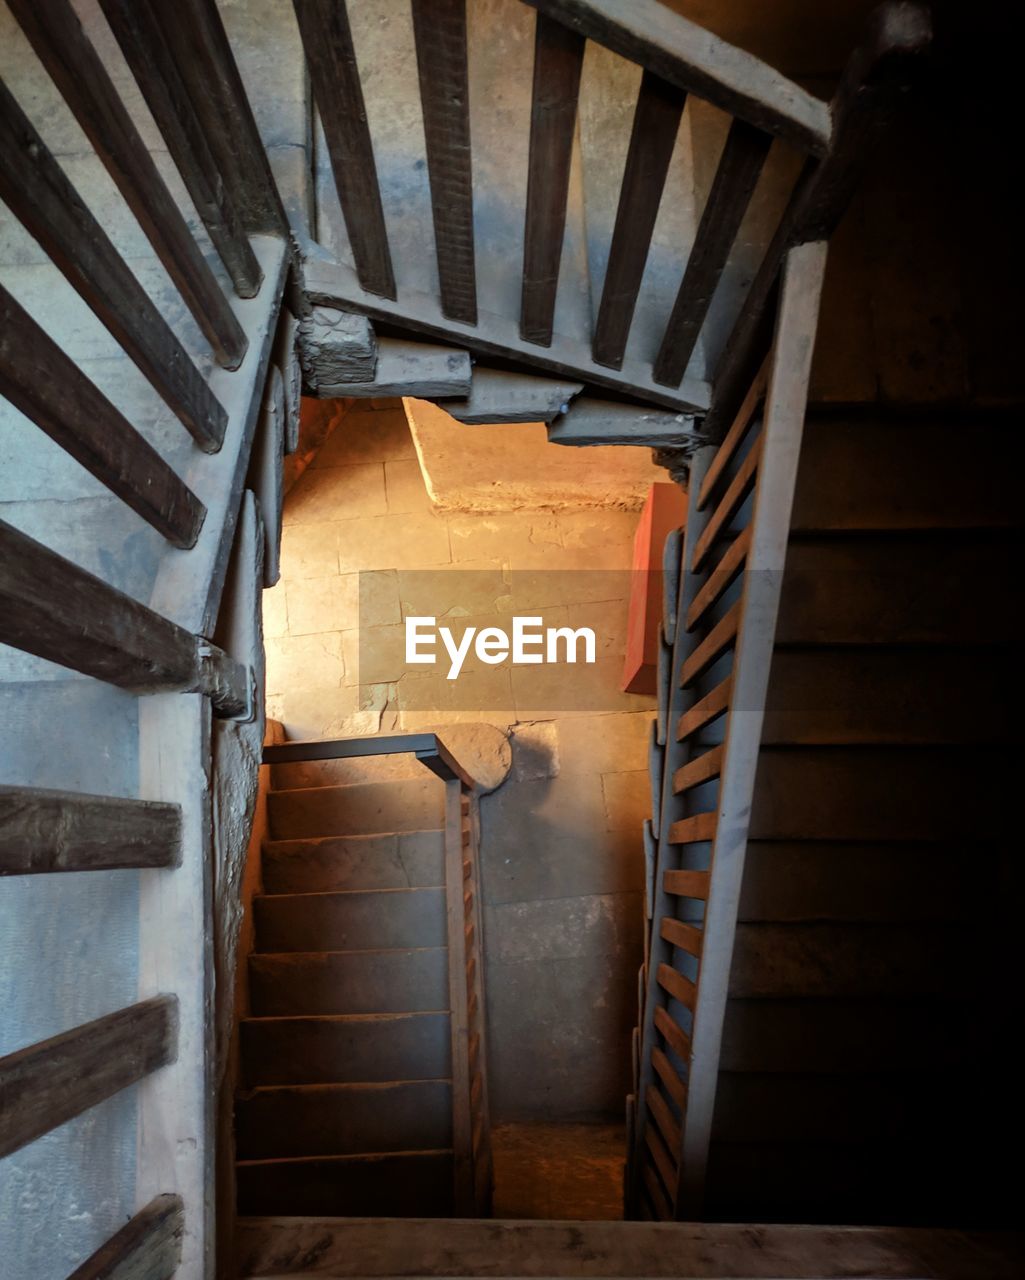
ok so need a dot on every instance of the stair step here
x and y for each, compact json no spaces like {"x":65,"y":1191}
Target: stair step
{"x":367,"y":807}
{"x":414,"y":859}
{"x":356,"y":921}
{"x":402,"y":1184}
{"x":337,"y":1049}
{"x":347,"y":771}
{"x":409,"y":980}
{"x":344,"y":1119}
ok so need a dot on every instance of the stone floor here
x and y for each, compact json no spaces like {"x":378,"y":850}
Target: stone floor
{"x":561,"y":849}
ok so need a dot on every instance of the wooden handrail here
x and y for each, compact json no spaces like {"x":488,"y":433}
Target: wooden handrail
{"x":147,"y":1247}
{"x":427,"y":747}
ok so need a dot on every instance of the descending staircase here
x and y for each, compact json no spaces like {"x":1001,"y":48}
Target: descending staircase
{"x":348,"y":1103}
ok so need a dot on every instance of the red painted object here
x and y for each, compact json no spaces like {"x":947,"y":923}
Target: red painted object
{"x":664,"y":510}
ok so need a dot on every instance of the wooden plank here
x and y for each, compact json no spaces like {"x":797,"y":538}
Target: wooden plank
{"x":701,"y":713}
{"x":336,"y":284}
{"x":266,"y":473}
{"x":677,"y":933}
{"x":409,"y":369}
{"x":43,"y":831}
{"x":49,"y":1083}
{"x":55,"y":33}
{"x":677,"y":986}
{"x":687,"y":884}
{"x":148,"y":1246}
{"x":694,"y":829}
{"x":667,"y":1126}
{"x":459,"y":1013}
{"x":149,"y":57}
{"x":739,"y":487}
{"x":698,"y":770}
{"x":655,"y":125}
{"x":719,"y":578}
{"x":784,"y":421}
{"x":689,"y":56}
{"x":718,"y":639}
{"x":656,"y":1193}
{"x":498,"y":396}
{"x":663,"y":1160}
{"x":672,"y":1083}
{"x":739,"y":167}
{"x":331,"y":59}
{"x":674,"y":1036}
{"x":440,"y":30}
{"x":36,"y":190}
{"x":742,"y":422}
{"x":48,"y":387}
{"x":54,"y":609}
{"x":874,"y":80}
{"x":591,"y":421}
{"x":558,"y":59}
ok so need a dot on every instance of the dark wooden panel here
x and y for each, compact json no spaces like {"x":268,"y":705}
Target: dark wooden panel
{"x":148,"y":1247}
{"x":49,"y":1083}
{"x":558,"y":58}
{"x":394,"y":1185}
{"x":142,"y":42}
{"x":54,"y":609}
{"x":735,"y":178}
{"x":327,"y":39}
{"x":33,"y":185}
{"x":656,"y":121}
{"x":352,"y":921}
{"x":48,"y":387}
{"x":440,"y":30}
{"x":56,"y":35}
{"x":355,"y":982}
{"x":68,"y":831}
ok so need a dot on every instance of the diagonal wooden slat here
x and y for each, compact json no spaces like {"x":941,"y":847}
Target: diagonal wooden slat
{"x":48,"y":387}
{"x":558,"y":58}
{"x":687,"y":937}
{"x":34,"y":187}
{"x":742,"y":423}
{"x":713,"y":704}
{"x":148,"y":1246}
{"x":55,"y":33}
{"x":331,"y":58}
{"x":672,"y":1034}
{"x":735,"y":178}
{"x":677,"y":986}
{"x":440,"y":30}
{"x":687,"y":884}
{"x":740,"y":486}
{"x":719,"y":578}
{"x":701,"y":826}
{"x":715,"y":643}
{"x":655,"y":125}
{"x":700,"y":769}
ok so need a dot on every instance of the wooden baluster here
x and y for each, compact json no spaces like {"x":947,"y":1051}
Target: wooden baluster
{"x":156,"y":73}
{"x":327,"y":39}
{"x":36,"y":190}
{"x":48,"y":387}
{"x":440,"y":29}
{"x":656,"y":121}
{"x":56,"y":35}
{"x":558,"y":59}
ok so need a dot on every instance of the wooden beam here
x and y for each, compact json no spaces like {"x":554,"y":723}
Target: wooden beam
{"x":43,"y":831}
{"x":138,"y":32}
{"x":497,"y":396}
{"x":48,"y":387}
{"x":55,"y":33}
{"x":459,"y":1014}
{"x":266,"y":473}
{"x":558,"y":59}
{"x":590,"y":421}
{"x":409,"y":369}
{"x":58,"y":611}
{"x":440,"y":30}
{"x":784,"y":421}
{"x":36,"y":190}
{"x":739,"y":166}
{"x":690,"y":57}
{"x":331,"y":59}
{"x":656,"y":123}
{"x":148,"y":1246}
{"x":900,"y":32}
{"x":50,"y":1083}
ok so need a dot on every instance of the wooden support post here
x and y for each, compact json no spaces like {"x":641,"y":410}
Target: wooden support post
{"x":55,"y":33}
{"x":54,"y":609}
{"x":462,"y":1137}
{"x":48,"y":387}
{"x":440,"y":29}
{"x":147,"y":53}
{"x":36,"y":190}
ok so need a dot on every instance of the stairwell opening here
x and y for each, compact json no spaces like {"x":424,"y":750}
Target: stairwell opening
{"x":387,"y":502}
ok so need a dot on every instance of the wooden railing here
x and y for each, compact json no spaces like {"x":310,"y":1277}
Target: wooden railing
{"x":471,"y":1124}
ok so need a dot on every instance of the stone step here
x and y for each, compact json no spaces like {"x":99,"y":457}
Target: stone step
{"x":362,"y":809}
{"x":349,"y":982}
{"x":344,"y":1119}
{"x":379,"y":919}
{"x":347,"y":771}
{"x":338,"y":1049}
{"x":401,"y":1184}
{"x":408,"y":860}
